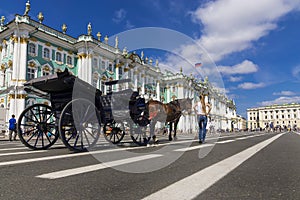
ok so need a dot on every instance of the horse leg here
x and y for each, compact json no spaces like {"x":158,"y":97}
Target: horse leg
{"x":170,"y":131}
{"x":152,"y":134}
{"x":175,"y":128}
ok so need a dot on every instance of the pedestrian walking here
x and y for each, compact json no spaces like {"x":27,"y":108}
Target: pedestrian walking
{"x":12,"y":128}
{"x":202,"y":109}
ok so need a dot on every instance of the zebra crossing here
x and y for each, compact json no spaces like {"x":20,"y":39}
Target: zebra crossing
{"x":20,"y":149}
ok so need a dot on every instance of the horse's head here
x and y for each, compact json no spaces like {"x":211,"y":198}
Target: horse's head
{"x":186,"y":104}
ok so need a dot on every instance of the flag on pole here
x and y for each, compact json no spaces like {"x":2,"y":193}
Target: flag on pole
{"x":199,"y":64}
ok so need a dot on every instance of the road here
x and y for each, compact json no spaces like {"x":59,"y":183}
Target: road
{"x":254,"y":165}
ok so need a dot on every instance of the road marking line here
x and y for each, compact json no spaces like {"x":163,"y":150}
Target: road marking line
{"x":243,"y":138}
{"x":20,"y":153}
{"x":194,"y":147}
{"x":10,"y":149}
{"x":192,"y":186}
{"x":225,"y":141}
{"x":14,"y":162}
{"x":90,"y":168}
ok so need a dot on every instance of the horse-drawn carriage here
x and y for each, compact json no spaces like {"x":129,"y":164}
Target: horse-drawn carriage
{"x":79,"y":112}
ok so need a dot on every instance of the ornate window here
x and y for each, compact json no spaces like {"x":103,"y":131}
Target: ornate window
{"x":32,"y":49}
{"x":69,"y":60}
{"x":46,"y":53}
{"x":120,"y":71}
{"x":31,"y":73}
{"x":95,"y":63}
{"x":103,"y":64}
{"x":46,"y":70}
{"x":110,"y":67}
{"x":58,"y":57}
{"x":95,"y":79}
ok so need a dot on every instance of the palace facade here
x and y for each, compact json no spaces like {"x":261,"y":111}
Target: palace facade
{"x":30,"y":49}
{"x":285,"y":115}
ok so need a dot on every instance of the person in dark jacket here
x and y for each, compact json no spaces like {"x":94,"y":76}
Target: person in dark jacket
{"x":12,"y":127}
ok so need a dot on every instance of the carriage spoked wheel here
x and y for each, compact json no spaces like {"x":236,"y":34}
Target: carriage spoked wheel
{"x":36,"y":127}
{"x":139,"y":135}
{"x":79,"y":125}
{"x":114,"y":132}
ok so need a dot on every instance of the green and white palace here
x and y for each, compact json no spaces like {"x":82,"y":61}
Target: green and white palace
{"x":30,"y":49}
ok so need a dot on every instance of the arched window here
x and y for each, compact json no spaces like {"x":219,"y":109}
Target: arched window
{"x":120,"y":71}
{"x":103,"y":66}
{"x":69,"y":60}
{"x":95,"y":79}
{"x":58,"y":57}
{"x":110,"y":67}
{"x":46,"y":53}
{"x":32,"y":49}
{"x":95,"y":63}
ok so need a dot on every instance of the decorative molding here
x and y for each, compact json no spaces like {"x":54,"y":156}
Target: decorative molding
{"x":33,"y":39}
{"x":70,"y":66}
{"x":18,"y":96}
{"x":10,"y":63}
{"x":19,"y":80}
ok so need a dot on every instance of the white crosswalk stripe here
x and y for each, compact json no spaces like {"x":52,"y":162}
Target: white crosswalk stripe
{"x":90,"y":168}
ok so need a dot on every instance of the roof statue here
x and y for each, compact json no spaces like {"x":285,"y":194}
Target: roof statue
{"x":27,"y":8}
{"x":40,"y":17}
{"x":106,"y":39}
{"x":89,"y":28}
{"x":2,"y":20}
{"x":116,"y":42}
{"x":99,"y":36}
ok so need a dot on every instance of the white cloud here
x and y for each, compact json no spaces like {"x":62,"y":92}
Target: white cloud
{"x":119,"y":16}
{"x":281,"y":100}
{"x":284,"y":93}
{"x":235,"y":78}
{"x":232,"y":25}
{"x":128,"y":25}
{"x":250,"y":86}
{"x":246,"y":67}
{"x":296,"y":72}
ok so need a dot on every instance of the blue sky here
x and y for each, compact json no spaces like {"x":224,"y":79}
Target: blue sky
{"x":255,"y":44}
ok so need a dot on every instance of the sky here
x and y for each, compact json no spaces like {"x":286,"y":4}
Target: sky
{"x":255,"y":45}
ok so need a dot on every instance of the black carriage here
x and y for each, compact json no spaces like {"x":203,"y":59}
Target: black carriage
{"x":77,"y":112}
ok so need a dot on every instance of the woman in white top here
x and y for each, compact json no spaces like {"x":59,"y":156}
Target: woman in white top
{"x":202,"y":109}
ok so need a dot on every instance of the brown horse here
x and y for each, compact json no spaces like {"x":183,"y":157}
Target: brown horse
{"x":168,"y":113}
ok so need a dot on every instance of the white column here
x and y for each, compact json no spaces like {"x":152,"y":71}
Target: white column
{"x":143,"y":83}
{"x":157,"y":90}
{"x":1,"y":48}
{"x":135,"y":74}
{"x":23,"y":60}
{"x":89,"y":70}
{"x":79,"y":68}
{"x":168,"y":94}
{"x":180,"y":92}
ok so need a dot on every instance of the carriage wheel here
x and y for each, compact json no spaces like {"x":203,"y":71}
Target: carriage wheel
{"x":139,"y":136}
{"x":79,"y":125}
{"x":36,"y":127}
{"x":114,"y":132}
